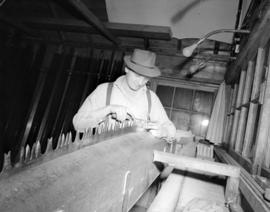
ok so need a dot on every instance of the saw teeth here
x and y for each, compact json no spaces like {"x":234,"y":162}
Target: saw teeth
{"x":22,"y":154}
{"x":77,"y":137}
{"x":38,"y":150}
{"x":27,"y":153}
{"x":67,"y":140}
{"x":49,"y":145}
{"x":59,"y":141}
{"x":7,"y":162}
{"x":32,"y":155}
{"x":63,"y":138}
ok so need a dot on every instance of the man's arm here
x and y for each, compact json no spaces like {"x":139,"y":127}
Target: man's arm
{"x":164,"y":126}
{"x":94,"y":110}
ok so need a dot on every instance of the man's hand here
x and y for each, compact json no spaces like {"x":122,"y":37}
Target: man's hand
{"x":154,"y":128}
{"x":119,"y":112}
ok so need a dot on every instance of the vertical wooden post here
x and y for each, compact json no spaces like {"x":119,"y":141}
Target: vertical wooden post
{"x":253,"y":107}
{"x":237,"y":111}
{"x":240,"y":126}
{"x":241,"y":88}
{"x":230,"y":132}
{"x":243,"y":115}
{"x":228,"y":119}
{"x":248,"y":86}
{"x":232,"y":190}
{"x":262,"y":142}
{"x":258,"y":74}
{"x":251,"y":113}
{"x":249,"y":134}
{"x":241,"y":129}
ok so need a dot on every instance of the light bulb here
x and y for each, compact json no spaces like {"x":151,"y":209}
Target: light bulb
{"x":205,"y":122}
{"x":187,"y":52}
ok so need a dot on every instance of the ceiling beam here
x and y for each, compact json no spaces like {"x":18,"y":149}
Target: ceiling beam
{"x":118,"y":29}
{"x":92,"y":19}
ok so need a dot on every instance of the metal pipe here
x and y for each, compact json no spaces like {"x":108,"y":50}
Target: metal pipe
{"x":189,"y":50}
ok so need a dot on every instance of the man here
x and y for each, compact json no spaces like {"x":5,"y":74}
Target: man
{"x":128,"y":96}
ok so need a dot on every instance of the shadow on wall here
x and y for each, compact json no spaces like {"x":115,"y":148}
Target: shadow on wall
{"x":179,"y":15}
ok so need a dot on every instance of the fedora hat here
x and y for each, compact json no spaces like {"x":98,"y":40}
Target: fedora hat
{"x":143,"y":63}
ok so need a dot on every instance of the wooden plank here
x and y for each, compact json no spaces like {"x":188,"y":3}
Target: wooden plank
{"x":248,"y":84}
{"x":241,"y":129}
{"x":232,"y":190}
{"x":195,"y":164}
{"x":228,"y":119}
{"x":244,"y":162}
{"x":258,"y":74}
{"x":92,"y":19}
{"x":234,"y":128}
{"x":249,"y":134}
{"x":241,"y":88}
{"x":262,"y":144}
{"x":243,"y":114}
{"x":234,"y":97}
{"x":117,"y":29}
{"x":237,"y":117}
{"x":248,"y":187}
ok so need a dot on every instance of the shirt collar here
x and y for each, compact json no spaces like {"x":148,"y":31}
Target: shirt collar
{"x":121,"y":80}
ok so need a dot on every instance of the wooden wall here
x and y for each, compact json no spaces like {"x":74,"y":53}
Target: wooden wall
{"x":248,"y":124}
{"x":44,"y":86}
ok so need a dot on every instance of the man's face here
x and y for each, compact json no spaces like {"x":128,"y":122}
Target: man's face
{"x":134,"y":80}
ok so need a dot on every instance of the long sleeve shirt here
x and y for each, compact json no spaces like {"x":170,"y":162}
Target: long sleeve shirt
{"x":137,"y":105}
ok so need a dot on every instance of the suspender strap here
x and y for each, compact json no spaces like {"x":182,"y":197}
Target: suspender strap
{"x":148,"y":94}
{"x":109,"y":93}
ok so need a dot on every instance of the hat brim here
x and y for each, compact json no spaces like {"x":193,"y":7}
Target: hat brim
{"x":142,"y":70}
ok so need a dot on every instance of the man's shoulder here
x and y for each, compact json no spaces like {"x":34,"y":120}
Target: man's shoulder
{"x":103,"y":86}
{"x":152,"y":92}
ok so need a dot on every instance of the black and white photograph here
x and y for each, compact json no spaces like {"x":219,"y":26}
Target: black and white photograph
{"x":134,"y":106}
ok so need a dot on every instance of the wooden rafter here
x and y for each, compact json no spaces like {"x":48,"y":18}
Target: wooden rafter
{"x":92,"y":19}
{"x":118,"y":29}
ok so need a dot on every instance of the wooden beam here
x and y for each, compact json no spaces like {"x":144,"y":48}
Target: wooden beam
{"x":258,"y":74}
{"x":248,"y":84}
{"x":262,"y":151}
{"x":196,"y":165}
{"x":237,"y":111}
{"x":249,"y":134}
{"x":92,"y":19}
{"x":252,"y":192}
{"x":118,"y":29}
{"x":257,"y":38}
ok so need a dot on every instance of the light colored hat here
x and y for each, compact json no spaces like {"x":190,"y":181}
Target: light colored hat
{"x":143,"y":62}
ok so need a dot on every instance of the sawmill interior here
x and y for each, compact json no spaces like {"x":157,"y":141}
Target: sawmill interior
{"x":213,"y":61}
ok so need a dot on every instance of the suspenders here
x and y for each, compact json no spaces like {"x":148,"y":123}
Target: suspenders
{"x":148,"y":95}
